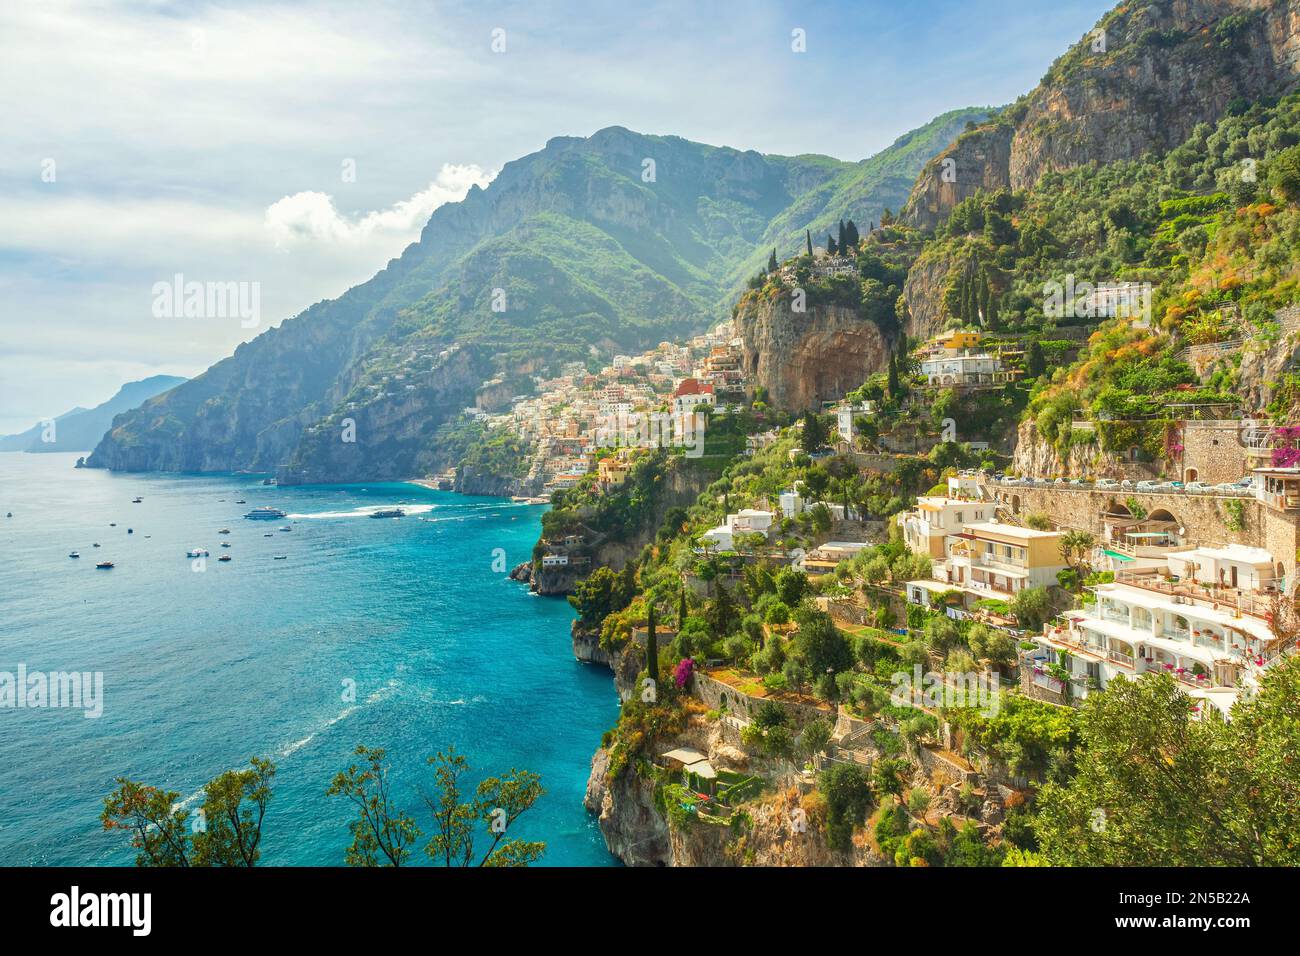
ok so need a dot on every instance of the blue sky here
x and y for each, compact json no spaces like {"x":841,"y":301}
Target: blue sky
{"x":210,"y":139}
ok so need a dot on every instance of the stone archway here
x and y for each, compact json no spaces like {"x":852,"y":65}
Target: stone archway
{"x":1190,"y":475}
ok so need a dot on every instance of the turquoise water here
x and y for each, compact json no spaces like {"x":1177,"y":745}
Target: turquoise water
{"x":204,"y":669}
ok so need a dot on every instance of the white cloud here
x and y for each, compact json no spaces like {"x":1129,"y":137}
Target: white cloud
{"x":311,"y":216}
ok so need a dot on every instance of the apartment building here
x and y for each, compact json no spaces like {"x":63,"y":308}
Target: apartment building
{"x":1185,"y":619}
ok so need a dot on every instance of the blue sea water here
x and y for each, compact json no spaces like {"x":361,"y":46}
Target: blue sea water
{"x":204,"y":669}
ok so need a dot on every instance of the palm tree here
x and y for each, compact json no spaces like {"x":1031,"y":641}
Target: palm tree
{"x":1075,"y":546}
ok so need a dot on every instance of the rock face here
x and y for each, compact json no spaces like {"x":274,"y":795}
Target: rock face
{"x":923,"y":293}
{"x":1139,"y":82}
{"x":1039,"y":458}
{"x":978,"y":159}
{"x":804,"y":358}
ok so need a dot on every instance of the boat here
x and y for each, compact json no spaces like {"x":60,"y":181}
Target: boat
{"x":112,"y":524}
{"x":197,"y":553}
{"x":224,"y":557}
{"x":9,"y":514}
{"x":73,"y":554}
{"x":104,"y":565}
{"x":280,"y":557}
{"x":285,"y":528}
{"x":136,"y":500}
{"x":268,"y":481}
{"x":224,"y":531}
{"x":95,"y":545}
{"x":268,"y":535}
{"x":240,"y":501}
{"x":130,"y":530}
{"x":225,"y":544}
{"x":264,"y":514}
{"x":388,"y":513}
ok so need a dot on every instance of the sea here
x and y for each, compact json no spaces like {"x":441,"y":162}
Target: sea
{"x":401,"y":633}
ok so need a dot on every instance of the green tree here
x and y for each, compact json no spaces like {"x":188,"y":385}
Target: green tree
{"x":651,"y":647}
{"x":234,"y":806}
{"x":496,"y":804}
{"x":602,"y":593}
{"x":1157,"y":785}
{"x":1035,"y":364}
{"x":228,"y":831}
{"x":848,"y":798}
{"x":1284,"y":174}
{"x":382,"y":835}
{"x":159,"y":828}
{"x":1031,"y":606}
{"x":816,"y":737}
{"x":820,"y":643}
{"x":1076,"y":546}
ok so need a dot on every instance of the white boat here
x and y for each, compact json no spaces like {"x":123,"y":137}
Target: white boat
{"x":197,"y":553}
{"x":74,"y":554}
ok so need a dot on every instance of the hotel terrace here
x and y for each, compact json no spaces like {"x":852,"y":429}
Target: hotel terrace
{"x":1203,"y":618}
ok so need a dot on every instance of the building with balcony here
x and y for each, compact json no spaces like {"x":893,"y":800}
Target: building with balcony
{"x":1000,"y":560}
{"x":1214,"y":639}
{"x":926,"y":529}
{"x":965,"y":370}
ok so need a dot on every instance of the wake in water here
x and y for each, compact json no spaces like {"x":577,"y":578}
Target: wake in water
{"x":366,"y":511}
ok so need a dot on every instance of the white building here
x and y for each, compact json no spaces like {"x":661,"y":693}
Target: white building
{"x":746,"y":521}
{"x":968,"y":369}
{"x":1215,"y":640}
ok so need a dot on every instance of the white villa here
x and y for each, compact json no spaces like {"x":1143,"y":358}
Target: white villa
{"x":793,"y":503}
{"x":967,"y":369}
{"x":1188,"y":621}
{"x":746,"y":521}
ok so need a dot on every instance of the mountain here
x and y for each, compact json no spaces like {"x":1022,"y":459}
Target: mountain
{"x":1140,"y":82}
{"x":82,"y":428}
{"x":587,"y":247}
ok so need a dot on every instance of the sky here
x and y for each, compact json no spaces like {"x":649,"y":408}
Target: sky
{"x":293,"y":148}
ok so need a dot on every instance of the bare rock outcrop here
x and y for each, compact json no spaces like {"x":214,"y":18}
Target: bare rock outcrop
{"x":805,"y":358}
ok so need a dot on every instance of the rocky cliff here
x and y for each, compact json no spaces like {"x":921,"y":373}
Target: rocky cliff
{"x":1036,"y":456}
{"x":1139,"y":82}
{"x":805,"y":358}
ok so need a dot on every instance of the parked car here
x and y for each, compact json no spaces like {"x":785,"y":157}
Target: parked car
{"x":1228,"y":488}
{"x":1105,"y":484}
{"x":1197,"y":488}
{"x":1126,"y":484}
{"x":1147,"y":485}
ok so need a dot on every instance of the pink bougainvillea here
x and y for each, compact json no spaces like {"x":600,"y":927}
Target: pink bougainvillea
{"x":1286,"y":457}
{"x":685,"y":668}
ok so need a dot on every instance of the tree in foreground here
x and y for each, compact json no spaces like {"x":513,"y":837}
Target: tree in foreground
{"x":382,"y":835}
{"x":234,"y":806}
{"x":159,"y":828}
{"x":1159,"y":784}
{"x":226,"y":832}
{"x":497,"y":803}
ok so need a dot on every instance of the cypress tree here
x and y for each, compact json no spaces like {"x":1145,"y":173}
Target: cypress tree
{"x":851,"y":233}
{"x":841,"y":240}
{"x":830,"y":244}
{"x":808,"y":237}
{"x":772,"y":264}
{"x":651,"y":648}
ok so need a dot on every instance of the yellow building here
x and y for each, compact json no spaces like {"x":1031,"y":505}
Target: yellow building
{"x":612,"y":471}
{"x":958,"y":339}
